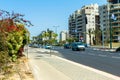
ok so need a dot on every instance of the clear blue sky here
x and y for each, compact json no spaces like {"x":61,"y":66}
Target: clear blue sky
{"x":46,"y":13}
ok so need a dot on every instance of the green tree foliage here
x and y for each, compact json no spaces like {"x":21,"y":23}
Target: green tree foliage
{"x":49,"y":37}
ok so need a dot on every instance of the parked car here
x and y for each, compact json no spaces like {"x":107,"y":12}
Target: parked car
{"x":78,"y":46}
{"x":67,"y":46}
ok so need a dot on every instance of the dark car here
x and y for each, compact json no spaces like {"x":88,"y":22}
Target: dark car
{"x":78,"y":46}
{"x":67,"y":46}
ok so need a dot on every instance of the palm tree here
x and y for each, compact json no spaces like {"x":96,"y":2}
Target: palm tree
{"x":98,"y":36}
{"x":49,"y":37}
{"x":90,"y":33}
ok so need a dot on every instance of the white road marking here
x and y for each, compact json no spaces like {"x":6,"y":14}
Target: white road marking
{"x":91,"y":54}
{"x":115,"y":57}
{"x":102,"y":55}
{"x":95,"y":49}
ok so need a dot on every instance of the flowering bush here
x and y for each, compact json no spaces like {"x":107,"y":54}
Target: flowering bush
{"x":15,"y":33}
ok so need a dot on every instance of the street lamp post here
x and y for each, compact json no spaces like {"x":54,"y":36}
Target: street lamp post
{"x":102,"y":36}
{"x":110,"y":35}
{"x":110,"y":28}
{"x":56,"y":30}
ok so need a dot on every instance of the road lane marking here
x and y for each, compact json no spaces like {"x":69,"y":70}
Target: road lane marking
{"x":95,"y":49}
{"x":102,"y":55}
{"x":91,"y":54}
{"x":115,"y":57}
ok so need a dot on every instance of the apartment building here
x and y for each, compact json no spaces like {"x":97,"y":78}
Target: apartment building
{"x":114,"y":1}
{"x":78,"y":27}
{"x":72,"y":25}
{"x":63,"y":35}
{"x":107,"y":12}
{"x":115,"y":9}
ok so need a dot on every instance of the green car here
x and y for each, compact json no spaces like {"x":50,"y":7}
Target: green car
{"x":78,"y":46}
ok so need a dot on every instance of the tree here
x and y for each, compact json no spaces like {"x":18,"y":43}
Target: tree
{"x":70,"y":40}
{"x":48,"y":37}
{"x":98,"y":36}
{"x":90,"y":33}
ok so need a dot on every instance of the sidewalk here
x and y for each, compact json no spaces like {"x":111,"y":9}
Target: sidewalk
{"x":56,"y":68}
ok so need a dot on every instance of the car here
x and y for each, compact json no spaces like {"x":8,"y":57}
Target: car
{"x":34,"y":45}
{"x":48,"y":46}
{"x":78,"y":46}
{"x":67,"y":46}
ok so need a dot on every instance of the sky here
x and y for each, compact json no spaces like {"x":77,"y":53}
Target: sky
{"x":45,"y":14}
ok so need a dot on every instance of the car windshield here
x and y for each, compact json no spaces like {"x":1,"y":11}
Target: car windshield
{"x":79,"y":43}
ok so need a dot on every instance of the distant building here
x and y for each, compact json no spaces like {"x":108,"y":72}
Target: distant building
{"x":63,"y":35}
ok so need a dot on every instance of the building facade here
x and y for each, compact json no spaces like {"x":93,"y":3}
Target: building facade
{"x":110,"y":17}
{"x":63,"y":35}
{"x":115,"y":24}
{"x":83,"y":22}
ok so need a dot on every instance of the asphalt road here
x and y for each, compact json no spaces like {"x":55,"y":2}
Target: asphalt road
{"x":102,"y":60}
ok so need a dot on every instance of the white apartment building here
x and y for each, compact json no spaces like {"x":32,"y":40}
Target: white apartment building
{"x":77,"y":23}
{"x":63,"y":35}
{"x":106,"y":12}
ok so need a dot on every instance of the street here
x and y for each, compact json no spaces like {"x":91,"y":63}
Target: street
{"x":101,"y":60}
